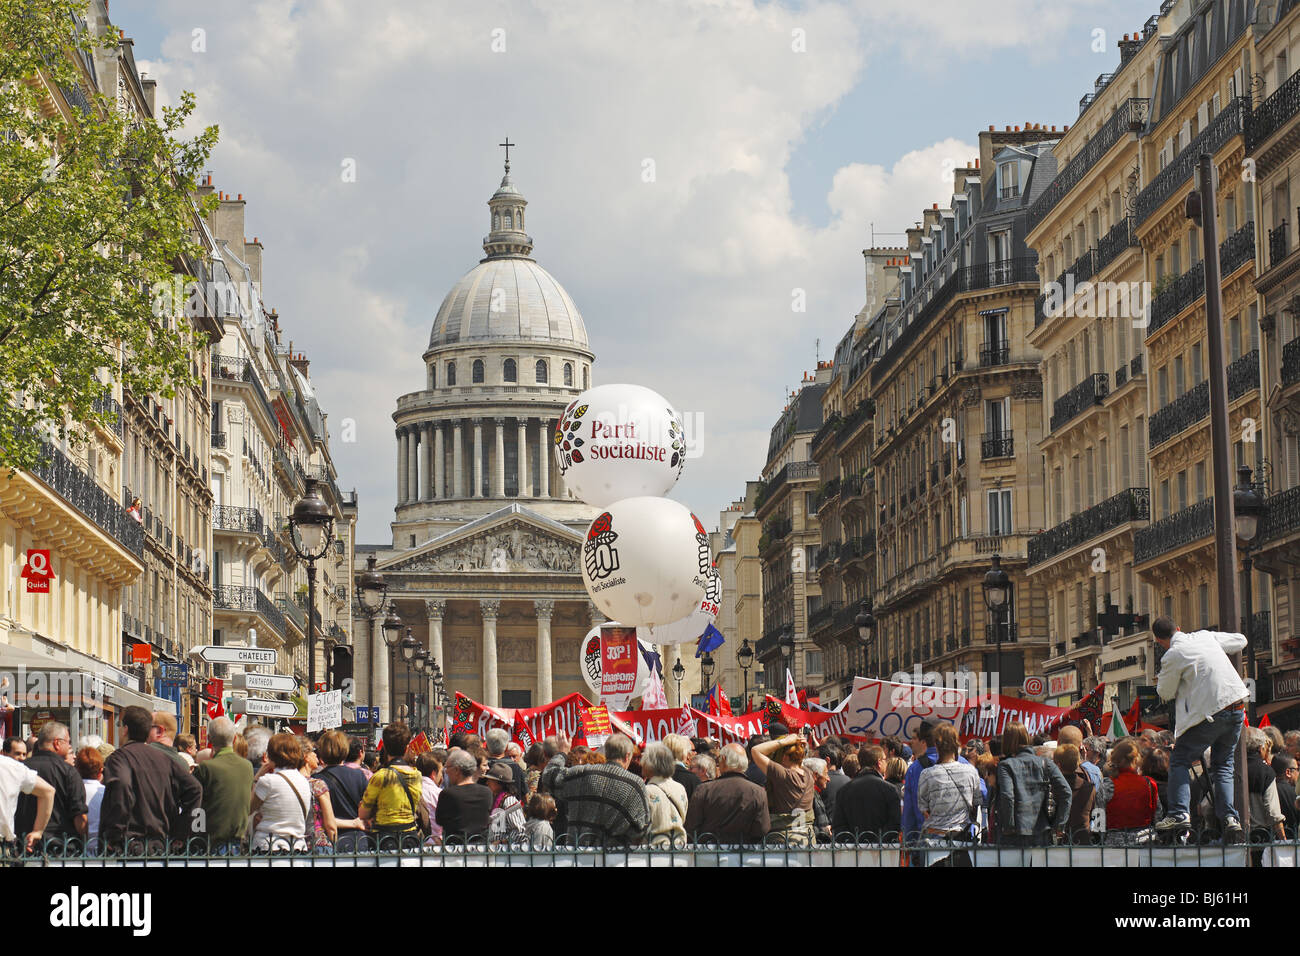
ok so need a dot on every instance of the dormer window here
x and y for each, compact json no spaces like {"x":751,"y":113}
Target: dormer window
{"x":1008,"y":180}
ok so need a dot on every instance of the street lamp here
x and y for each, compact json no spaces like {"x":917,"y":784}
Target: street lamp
{"x":678,"y":673}
{"x":420,"y":660}
{"x":1247,"y":507}
{"x":787,"y":646}
{"x":865,"y":622}
{"x":409,"y":647}
{"x":392,"y":628}
{"x":706,"y":672}
{"x":373,"y":589}
{"x":311,"y":529}
{"x":997,"y":590}
{"x":745,"y":658}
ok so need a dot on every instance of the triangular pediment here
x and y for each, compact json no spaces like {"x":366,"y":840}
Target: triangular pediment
{"x":511,"y":540}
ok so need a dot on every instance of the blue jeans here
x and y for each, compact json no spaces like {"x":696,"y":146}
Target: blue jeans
{"x":1220,"y":734}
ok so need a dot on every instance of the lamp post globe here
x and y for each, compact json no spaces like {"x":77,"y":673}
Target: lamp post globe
{"x":311,"y":529}
{"x":1247,"y":506}
{"x":707,"y":665}
{"x":787,"y":642}
{"x":745,"y":656}
{"x":420,"y":659}
{"x":865,"y":622}
{"x":372,"y":587}
{"x":997,"y":585}
{"x":409,"y":646}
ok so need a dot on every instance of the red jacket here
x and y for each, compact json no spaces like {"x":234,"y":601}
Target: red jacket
{"x":1133,"y":803}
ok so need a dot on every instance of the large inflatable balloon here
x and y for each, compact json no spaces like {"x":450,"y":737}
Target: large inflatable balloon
{"x":692,"y":625}
{"x":592,"y":666}
{"x":619,"y":441}
{"x":646,"y":561}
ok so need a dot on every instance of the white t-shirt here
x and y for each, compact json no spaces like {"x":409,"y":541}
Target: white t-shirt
{"x":282,"y":823}
{"x":15,"y":778}
{"x":94,"y":800}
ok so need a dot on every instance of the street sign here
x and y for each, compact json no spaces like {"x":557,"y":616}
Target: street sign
{"x":273,"y":683}
{"x":263,"y":707}
{"x":215,"y":654}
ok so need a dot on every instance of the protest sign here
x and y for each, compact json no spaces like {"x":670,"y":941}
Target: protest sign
{"x":879,"y":709}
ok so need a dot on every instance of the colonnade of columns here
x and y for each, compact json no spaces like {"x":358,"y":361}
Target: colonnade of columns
{"x":423,"y":475}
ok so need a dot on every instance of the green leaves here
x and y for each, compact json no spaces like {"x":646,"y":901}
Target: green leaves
{"x":96,"y":211}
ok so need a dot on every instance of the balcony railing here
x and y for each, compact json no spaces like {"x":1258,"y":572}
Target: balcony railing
{"x":1281,"y":515}
{"x":1273,"y":113}
{"x":995,"y":353}
{"x":1121,"y":236}
{"x":230,"y":518}
{"x":1135,"y":366}
{"x":829,"y":428}
{"x":292,"y":611}
{"x":851,"y":487}
{"x":823,"y":616}
{"x":65,"y":477}
{"x":234,"y":598}
{"x":1230,"y":122}
{"x":1130,"y":116}
{"x":1121,"y":376}
{"x":1291,"y":362}
{"x":1194,"y":406}
{"x":231,"y":368}
{"x":1010,"y":633}
{"x":1132,"y":504}
{"x":997,"y":445}
{"x":1259,"y":631}
{"x":1277,"y":240}
{"x":777,"y":528}
{"x":1181,"y":528}
{"x":866,"y":408}
{"x":794,"y":471}
{"x":1091,"y":391}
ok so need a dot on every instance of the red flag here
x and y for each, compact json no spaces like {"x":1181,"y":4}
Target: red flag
{"x":419,"y":745}
{"x":1265,"y":722}
{"x":719,"y":706}
{"x":214,"y":689}
{"x":1089,"y":708}
{"x":802,"y":698}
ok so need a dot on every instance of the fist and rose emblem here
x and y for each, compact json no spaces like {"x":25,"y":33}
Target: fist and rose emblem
{"x":598,"y":552}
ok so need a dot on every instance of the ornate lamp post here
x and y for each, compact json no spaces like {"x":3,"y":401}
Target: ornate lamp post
{"x":997,"y":591}
{"x":373,"y":590}
{"x":787,"y":650}
{"x":311,"y":528}
{"x":745,"y":658}
{"x":866,"y":625}
{"x":1247,"y":508}
{"x":707,"y":666}
{"x":409,"y":647}
{"x":678,"y":673}
{"x":392,"y":628}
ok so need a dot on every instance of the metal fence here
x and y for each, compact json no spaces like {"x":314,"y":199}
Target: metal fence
{"x":841,"y":853}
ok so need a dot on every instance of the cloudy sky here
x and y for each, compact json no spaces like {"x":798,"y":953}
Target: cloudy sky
{"x":779,"y":135}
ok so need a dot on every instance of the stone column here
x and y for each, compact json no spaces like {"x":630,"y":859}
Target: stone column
{"x":413,"y":464}
{"x":499,"y":463}
{"x":426,"y":461}
{"x":379,"y":660}
{"x":457,"y":462}
{"x":476,"y":489}
{"x":544,"y":458}
{"x":439,"y":480}
{"x":521,"y":445}
{"x":491,"y":694}
{"x":435,"y":611}
{"x":401,"y":465}
{"x":561,"y":489}
{"x":544,"y":689}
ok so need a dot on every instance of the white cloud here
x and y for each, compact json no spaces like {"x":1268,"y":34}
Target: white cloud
{"x":685,"y":283}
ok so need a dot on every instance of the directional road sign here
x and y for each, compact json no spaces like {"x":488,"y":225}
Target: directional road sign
{"x":263,"y":707}
{"x":215,"y":654}
{"x":274,"y":683}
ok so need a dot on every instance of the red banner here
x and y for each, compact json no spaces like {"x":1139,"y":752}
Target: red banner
{"x":986,"y":722}
{"x":527,"y":726}
{"x":618,"y":657}
{"x":824,"y":723}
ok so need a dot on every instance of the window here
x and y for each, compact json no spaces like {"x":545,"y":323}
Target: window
{"x":1103,"y":467}
{"x":478,"y":372}
{"x":1090,"y":472}
{"x":451,"y":373}
{"x":1197,"y":371}
{"x":997,"y":416}
{"x":509,"y":372}
{"x":1009,"y":180}
{"x":1164,"y":498}
{"x":1179,"y":378}
{"x":812,"y":662}
{"x":1182,"y":490}
{"x":1200,"y":481}
{"x":540,"y":374}
{"x":568,"y":374}
{"x":1234,"y":338}
{"x":1162,"y":387}
{"x":1000,"y":513}
{"x":433,"y":377}
{"x":509,"y":220}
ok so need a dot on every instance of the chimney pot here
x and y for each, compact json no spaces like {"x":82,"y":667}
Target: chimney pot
{"x":241,"y":197}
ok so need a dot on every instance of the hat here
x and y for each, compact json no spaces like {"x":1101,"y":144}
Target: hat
{"x":500,"y":773}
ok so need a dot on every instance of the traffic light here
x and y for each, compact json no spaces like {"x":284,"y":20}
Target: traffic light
{"x":341,"y":668}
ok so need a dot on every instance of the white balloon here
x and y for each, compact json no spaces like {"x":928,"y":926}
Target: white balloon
{"x":592,"y":665}
{"x":646,"y":561}
{"x":692,"y":625}
{"x":619,"y":441}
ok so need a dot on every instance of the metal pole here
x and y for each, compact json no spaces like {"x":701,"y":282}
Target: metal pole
{"x":997,"y":647}
{"x":1250,"y":627}
{"x":370,"y":674}
{"x":311,"y":627}
{"x":1221,"y":447}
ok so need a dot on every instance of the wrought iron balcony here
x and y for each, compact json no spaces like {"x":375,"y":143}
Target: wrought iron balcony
{"x":1194,"y":405}
{"x":1237,"y":249}
{"x":230,"y":518}
{"x":1129,"y":117}
{"x":794,"y":471}
{"x":228,"y":597}
{"x":823,"y":616}
{"x":777,"y":528}
{"x":1183,"y":527}
{"x":65,"y":478}
{"x":1229,"y":123}
{"x":997,"y":445}
{"x":829,"y":491}
{"x":1091,"y":391}
{"x":218,"y":440}
{"x":1281,"y":516}
{"x":1010,"y":633}
{"x":829,"y":428}
{"x":851,"y":487}
{"x":1132,"y":504}
{"x":1109,"y":247}
{"x":995,"y":353}
{"x":1121,"y":376}
{"x":1259,"y":631}
{"x":292,"y":611}
{"x":1277,"y":241}
{"x":1273,"y":113}
{"x":1176,"y":296}
{"x":1135,"y":366}
{"x":1291,"y":362}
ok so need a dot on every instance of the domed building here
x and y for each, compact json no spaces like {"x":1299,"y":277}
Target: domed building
{"x":484,"y":561}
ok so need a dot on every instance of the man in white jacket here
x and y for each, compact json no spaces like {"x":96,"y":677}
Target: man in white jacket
{"x":1210,"y":703}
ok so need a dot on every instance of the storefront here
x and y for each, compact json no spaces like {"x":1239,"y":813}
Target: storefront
{"x":1282,"y":709}
{"x":1062,"y":687}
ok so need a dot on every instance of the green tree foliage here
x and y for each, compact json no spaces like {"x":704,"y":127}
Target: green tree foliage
{"x":96,"y":214}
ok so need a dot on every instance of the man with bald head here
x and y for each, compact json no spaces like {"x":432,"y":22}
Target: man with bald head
{"x":1073,"y":735}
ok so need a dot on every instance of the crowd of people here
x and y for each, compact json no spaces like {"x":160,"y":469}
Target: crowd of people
{"x":259,"y":792}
